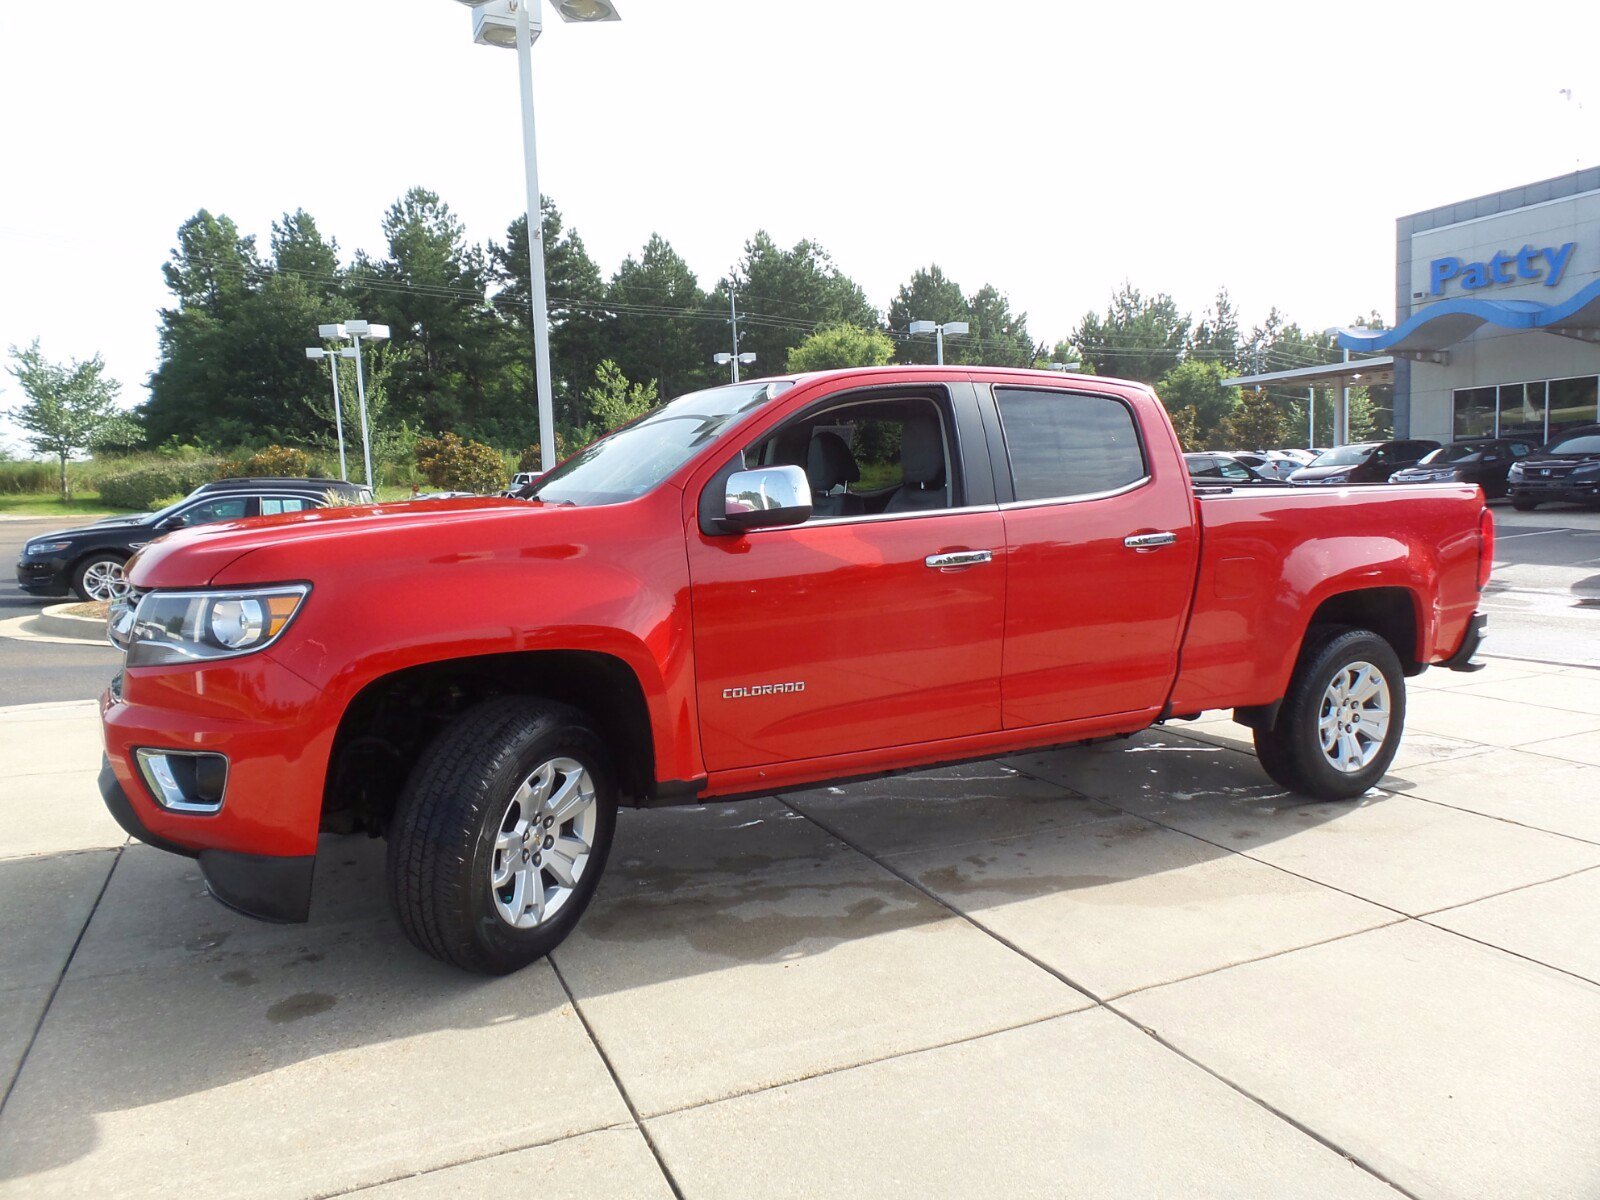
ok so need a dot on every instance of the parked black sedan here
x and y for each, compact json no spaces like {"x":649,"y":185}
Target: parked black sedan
{"x":1362,"y":462}
{"x":88,"y":560}
{"x":1214,"y":467}
{"x":1483,"y":461}
{"x":1567,"y":469}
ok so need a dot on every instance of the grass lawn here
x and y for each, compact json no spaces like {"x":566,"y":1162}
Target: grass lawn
{"x":35,"y":504}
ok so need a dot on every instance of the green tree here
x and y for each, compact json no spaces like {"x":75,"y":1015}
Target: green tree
{"x":575,"y":298}
{"x":1198,"y":385}
{"x":929,"y":295}
{"x":658,"y":328}
{"x":1136,"y":338}
{"x":1185,"y":425}
{"x":613,"y":401}
{"x":787,"y":295}
{"x":70,"y":408}
{"x":1258,"y":423}
{"x":1216,"y":338}
{"x":460,"y":369}
{"x":841,"y":346}
{"x":998,"y":337}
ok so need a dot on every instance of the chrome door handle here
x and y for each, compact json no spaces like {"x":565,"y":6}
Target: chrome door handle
{"x":1149,"y":541}
{"x":957,"y":558}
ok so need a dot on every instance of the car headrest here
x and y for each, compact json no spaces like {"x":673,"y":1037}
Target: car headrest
{"x":922,"y":451}
{"x":829,"y":462}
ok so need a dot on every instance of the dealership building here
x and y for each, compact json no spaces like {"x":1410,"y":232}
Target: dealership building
{"x":1497,"y":318}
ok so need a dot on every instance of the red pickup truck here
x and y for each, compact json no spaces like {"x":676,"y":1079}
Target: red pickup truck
{"x":755,"y":588}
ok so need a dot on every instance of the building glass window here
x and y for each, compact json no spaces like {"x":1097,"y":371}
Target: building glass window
{"x":1572,"y":403}
{"x":1522,"y":411}
{"x":1475,"y":412}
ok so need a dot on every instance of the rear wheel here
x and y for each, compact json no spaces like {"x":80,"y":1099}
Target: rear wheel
{"x":1524,"y":503}
{"x":100,"y":577}
{"x":501,"y":834}
{"x":1341,"y":722}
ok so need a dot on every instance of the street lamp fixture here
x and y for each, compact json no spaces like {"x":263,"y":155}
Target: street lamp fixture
{"x":516,"y":24}
{"x":356,"y":330}
{"x":725,"y":359}
{"x":950,"y":328}
{"x":1066,"y":366}
{"x":318,"y":353}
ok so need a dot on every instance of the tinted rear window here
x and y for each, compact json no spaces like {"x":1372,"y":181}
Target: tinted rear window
{"x":1064,"y":444}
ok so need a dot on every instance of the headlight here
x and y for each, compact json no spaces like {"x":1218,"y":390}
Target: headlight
{"x":181,"y":627}
{"x":1515,"y":472}
{"x":1586,"y":468}
{"x":46,"y":547}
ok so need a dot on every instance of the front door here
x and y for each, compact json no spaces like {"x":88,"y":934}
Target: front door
{"x":849,"y":633}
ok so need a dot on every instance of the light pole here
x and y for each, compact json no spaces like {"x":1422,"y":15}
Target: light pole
{"x":515,"y":24}
{"x":373,"y":333}
{"x":953,"y":328}
{"x":317,"y":352}
{"x":725,"y":359}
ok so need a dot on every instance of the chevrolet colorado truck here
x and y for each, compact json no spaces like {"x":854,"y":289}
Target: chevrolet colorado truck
{"x":756,"y":587}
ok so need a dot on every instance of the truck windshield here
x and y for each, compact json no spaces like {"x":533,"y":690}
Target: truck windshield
{"x":1344,"y":456}
{"x":634,"y":459}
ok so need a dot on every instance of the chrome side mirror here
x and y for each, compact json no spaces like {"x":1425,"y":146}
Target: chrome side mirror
{"x":765,"y":498}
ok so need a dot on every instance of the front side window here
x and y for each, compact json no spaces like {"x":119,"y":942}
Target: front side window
{"x":230,"y":509}
{"x":867,"y":457}
{"x":1066,"y":444}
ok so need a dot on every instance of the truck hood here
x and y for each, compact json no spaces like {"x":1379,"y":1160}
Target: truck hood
{"x":197,"y":556}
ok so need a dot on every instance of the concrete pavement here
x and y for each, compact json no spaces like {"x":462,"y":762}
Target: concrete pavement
{"x":1137,"y":969}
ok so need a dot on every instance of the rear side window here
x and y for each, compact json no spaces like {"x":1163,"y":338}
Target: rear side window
{"x":272,"y":506}
{"x":1064,"y":444}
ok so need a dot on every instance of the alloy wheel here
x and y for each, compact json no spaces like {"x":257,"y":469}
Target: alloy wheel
{"x":1353,"y":720}
{"x":105,"y":580}
{"x":543,"y":842}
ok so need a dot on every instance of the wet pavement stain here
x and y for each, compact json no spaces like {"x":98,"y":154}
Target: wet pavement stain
{"x":950,"y":880}
{"x":241,"y":977}
{"x":302,"y":1004}
{"x":757,"y":921}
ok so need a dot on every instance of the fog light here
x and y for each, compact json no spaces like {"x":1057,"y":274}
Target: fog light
{"x":187,"y":781}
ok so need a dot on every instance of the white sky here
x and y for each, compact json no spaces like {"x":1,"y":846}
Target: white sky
{"x":1053,"y":149}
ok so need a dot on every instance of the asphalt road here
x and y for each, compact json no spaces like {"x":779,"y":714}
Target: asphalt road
{"x":1543,"y":604}
{"x":1544,"y":599}
{"x":35,"y":672}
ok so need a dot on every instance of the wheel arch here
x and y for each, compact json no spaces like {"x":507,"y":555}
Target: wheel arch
{"x":1393,"y":612}
{"x":386,"y":725}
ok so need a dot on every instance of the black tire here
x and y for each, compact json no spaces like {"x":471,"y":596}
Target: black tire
{"x":1524,"y":503}
{"x":83,"y":566}
{"x":1291,"y":751}
{"x":442,"y":837}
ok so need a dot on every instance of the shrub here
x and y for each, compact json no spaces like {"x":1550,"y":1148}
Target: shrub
{"x":148,"y":487}
{"x":454,"y":465}
{"x":279,"y":461}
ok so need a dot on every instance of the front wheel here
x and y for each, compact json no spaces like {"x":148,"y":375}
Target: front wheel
{"x":100,"y":577}
{"x":1341,"y":722}
{"x":1524,"y":503}
{"x":501,"y":834}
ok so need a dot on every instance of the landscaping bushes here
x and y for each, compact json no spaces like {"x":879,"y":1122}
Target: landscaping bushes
{"x":147,"y":487}
{"x":455,"y":465}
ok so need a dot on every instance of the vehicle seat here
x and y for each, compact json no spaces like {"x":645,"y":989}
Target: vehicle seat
{"x":922,"y":466}
{"x":828,"y":464}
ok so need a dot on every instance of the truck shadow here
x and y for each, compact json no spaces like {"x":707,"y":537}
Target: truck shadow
{"x":175,"y":1005}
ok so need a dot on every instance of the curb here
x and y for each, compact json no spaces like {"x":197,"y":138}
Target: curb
{"x":54,"y":621}
{"x":22,"y":629}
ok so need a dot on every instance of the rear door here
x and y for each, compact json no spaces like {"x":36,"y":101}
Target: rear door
{"x":851,"y":632}
{"x":1102,"y":552}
